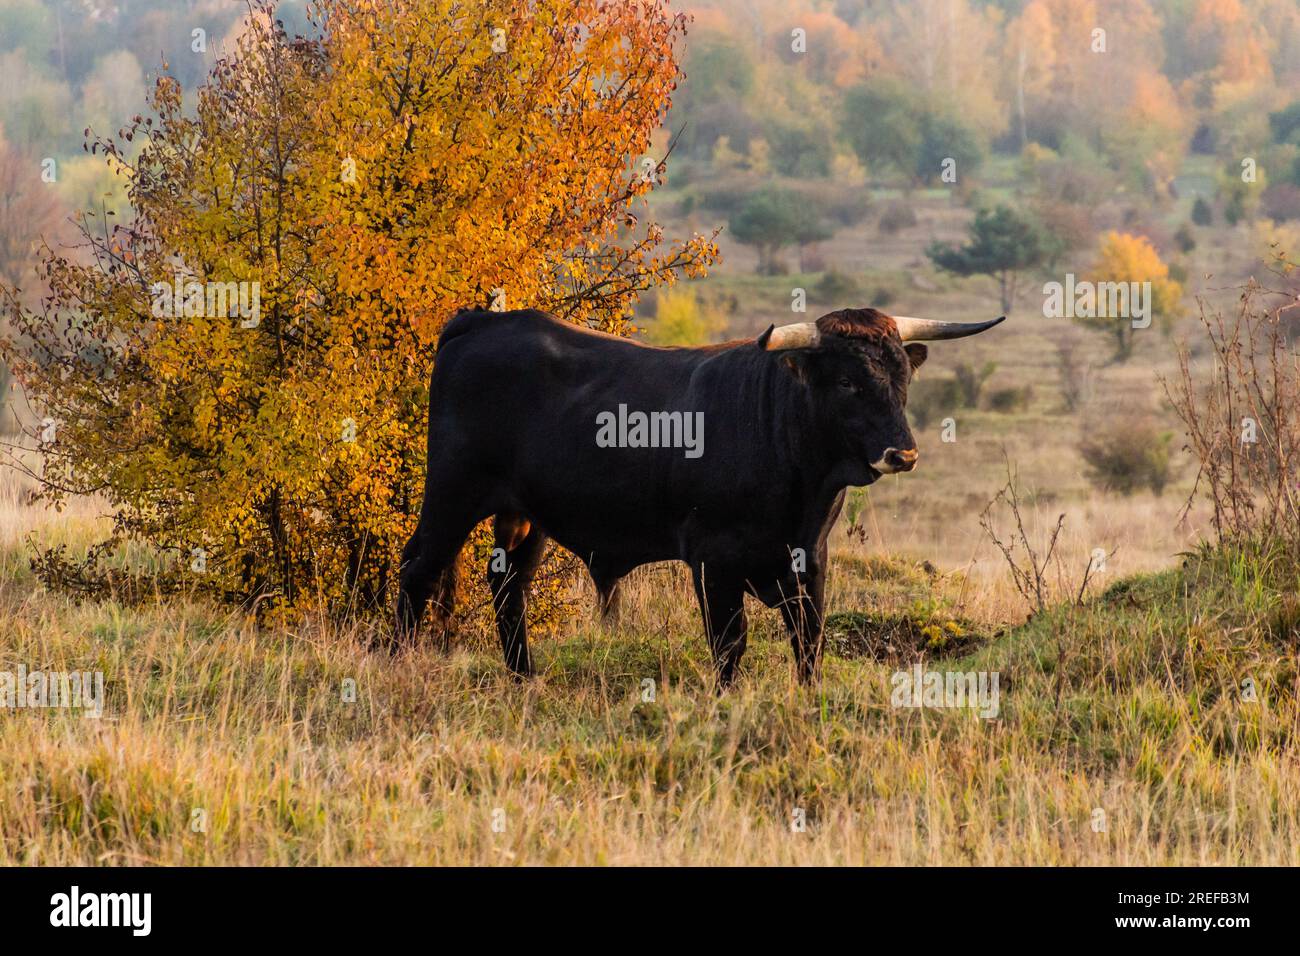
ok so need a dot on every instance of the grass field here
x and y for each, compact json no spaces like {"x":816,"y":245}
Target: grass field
{"x":223,"y":743}
{"x":1153,"y":724}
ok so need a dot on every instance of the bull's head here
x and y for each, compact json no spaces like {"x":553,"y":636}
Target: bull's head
{"x":857,"y":364}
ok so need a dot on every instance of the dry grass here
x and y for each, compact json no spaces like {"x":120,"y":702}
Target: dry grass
{"x":1129,"y":705}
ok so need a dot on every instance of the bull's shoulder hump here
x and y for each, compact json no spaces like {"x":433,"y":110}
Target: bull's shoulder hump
{"x":523,"y":322}
{"x":580,"y":334}
{"x":518,"y":321}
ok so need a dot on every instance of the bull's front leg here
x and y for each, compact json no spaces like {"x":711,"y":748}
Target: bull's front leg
{"x":802,"y":604}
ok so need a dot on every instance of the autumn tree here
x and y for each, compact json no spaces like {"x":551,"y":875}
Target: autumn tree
{"x":29,"y":209}
{"x":1033,"y":53}
{"x":1089,"y":70}
{"x":241,"y":370}
{"x":720,"y":80}
{"x":948,"y":52}
{"x":1133,"y":261}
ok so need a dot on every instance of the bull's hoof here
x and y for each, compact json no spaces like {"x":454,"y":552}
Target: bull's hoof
{"x":723,"y":682}
{"x":520,"y":671}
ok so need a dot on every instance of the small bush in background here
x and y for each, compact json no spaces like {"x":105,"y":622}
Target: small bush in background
{"x":1008,"y":400}
{"x":1202,"y":213}
{"x":1075,"y":374}
{"x":1281,"y":201}
{"x":895,"y":216}
{"x":971,"y":381}
{"x":681,"y":319}
{"x":1127,"y":452}
{"x":774,"y":217}
{"x":835,"y":288}
{"x":929,"y":398}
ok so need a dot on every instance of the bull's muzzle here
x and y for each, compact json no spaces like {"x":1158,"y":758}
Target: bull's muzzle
{"x":896,"y":460}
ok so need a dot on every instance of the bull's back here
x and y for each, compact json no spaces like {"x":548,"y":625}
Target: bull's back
{"x":520,"y":397}
{"x":524,"y":372}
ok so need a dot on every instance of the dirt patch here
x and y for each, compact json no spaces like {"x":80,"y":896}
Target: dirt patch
{"x":898,"y":638}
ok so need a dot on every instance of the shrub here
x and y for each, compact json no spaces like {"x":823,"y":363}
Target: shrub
{"x":1123,"y":258}
{"x":895,"y":216}
{"x":680,"y":319}
{"x":1074,"y":180}
{"x":1127,"y":452}
{"x":775,"y":217}
{"x":1008,"y":400}
{"x":1075,"y":375}
{"x":1202,"y":212}
{"x":1071,"y":225}
{"x":1240,"y":198}
{"x":1003,"y":244}
{"x":1281,"y":201}
{"x":971,"y":380}
{"x":931,"y":398}
{"x":835,"y":287}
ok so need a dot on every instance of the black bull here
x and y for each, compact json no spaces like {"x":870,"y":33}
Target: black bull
{"x":535,"y":421}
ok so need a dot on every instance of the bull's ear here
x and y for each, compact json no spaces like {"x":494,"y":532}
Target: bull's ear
{"x":762,"y":339}
{"x":797,"y":363}
{"x":916,"y":354}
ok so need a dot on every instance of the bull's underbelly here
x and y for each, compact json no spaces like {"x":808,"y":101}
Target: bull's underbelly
{"x":620,"y":534}
{"x":616,"y":534}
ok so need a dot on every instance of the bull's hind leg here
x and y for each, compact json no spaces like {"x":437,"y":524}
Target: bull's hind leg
{"x":515,"y":556}
{"x":611,"y":601}
{"x":429,"y":566}
{"x":722,"y":602}
{"x":606,"y":579}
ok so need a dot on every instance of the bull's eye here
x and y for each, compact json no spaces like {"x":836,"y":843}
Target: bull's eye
{"x":846,"y":384}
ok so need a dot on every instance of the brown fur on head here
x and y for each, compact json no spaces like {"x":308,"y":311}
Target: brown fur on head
{"x":869,"y":324}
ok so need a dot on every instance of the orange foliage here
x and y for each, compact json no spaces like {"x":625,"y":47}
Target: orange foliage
{"x":420,"y":157}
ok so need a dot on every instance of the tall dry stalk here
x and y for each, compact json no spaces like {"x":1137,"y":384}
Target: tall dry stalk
{"x":1242,"y":416}
{"x":1028,"y":569}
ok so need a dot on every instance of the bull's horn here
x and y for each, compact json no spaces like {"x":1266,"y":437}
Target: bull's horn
{"x":800,"y":335}
{"x":930,"y":330}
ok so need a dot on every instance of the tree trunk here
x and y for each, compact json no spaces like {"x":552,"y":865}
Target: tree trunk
{"x":1123,"y":341}
{"x":1021,"y":66}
